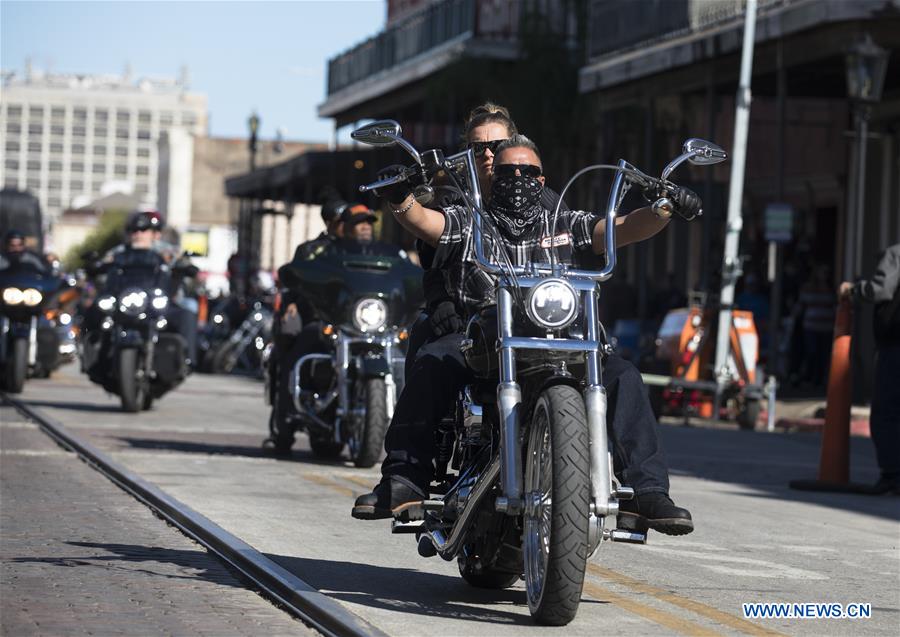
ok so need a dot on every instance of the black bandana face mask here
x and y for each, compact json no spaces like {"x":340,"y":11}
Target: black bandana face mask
{"x":515,"y":203}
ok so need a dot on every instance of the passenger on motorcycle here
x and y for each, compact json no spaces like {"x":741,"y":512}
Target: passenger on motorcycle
{"x":439,"y":370}
{"x":15,"y":252}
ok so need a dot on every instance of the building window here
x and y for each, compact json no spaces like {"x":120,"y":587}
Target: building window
{"x":78,"y":131}
{"x":34,"y":164}
{"x":143,"y":134}
{"x":99,"y":131}
{"x":14,"y":146}
{"x":14,"y":110}
{"x":12,"y":164}
{"x":144,"y":117}
{"x":55,"y":166}
{"x":76,"y":185}
{"x":142,"y":170}
{"x":121,"y":151}
{"x":121,"y":133}
{"x":79,"y":114}
{"x":58,"y":112}
{"x":77,"y":167}
{"x":99,"y":149}
{"x":58,"y":129}
{"x":165,"y":119}
{"x":123,"y":116}
{"x":34,"y":147}
{"x":101,"y":115}
{"x":35,"y":129}
{"x":78,"y":149}
{"x":54,"y":184}
{"x":121,"y":170}
{"x":188,"y":118}
{"x":53,"y":202}
{"x":142,"y":189}
{"x":143,"y":152}
{"x":13,"y":128}
{"x":98,"y":169}
{"x":56,"y":147}
{"x":36,"y":112}
{"x":33,"y":184}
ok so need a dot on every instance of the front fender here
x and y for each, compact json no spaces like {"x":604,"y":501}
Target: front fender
{"x":374,"y":367}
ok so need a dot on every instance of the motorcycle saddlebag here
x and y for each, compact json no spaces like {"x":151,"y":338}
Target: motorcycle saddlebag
{"x":168,"y":358}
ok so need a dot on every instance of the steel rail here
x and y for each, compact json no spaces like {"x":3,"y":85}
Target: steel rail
{"x":298,"y":597}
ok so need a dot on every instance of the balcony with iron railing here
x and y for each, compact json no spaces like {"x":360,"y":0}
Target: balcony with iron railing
{"x":637,"y":38}
{"x":421,"y":44}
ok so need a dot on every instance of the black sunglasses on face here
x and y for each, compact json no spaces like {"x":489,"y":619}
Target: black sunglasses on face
{"x":509,"y":170}
{"x":479,"y":147}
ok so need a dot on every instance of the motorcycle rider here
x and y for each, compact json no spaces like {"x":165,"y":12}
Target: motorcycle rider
{"x":439,"y":370}
{"x":14,"y":252}
{"x":143,"y":232}
{"x":298,"y":330}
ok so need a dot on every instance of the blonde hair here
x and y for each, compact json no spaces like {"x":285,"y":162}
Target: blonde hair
{"x":488,"y":113}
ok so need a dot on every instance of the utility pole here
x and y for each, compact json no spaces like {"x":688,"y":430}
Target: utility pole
{"x":731,"y":266}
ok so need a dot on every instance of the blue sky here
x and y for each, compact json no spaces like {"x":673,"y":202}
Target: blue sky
{"x":270,"y":56}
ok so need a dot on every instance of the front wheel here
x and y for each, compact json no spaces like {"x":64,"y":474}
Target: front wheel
{"x":131,"y":388}
{"x":16,"y":366}
{"x":369,"y":437}
{"x":557,"y":506}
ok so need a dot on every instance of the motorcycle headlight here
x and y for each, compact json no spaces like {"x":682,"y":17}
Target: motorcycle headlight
{"x":160,"y":301}
{"x":552,"y":304}
{"x":106,"y":303}
{"x":32,"y":297}
{"x":370,"y":315}
{"x":13,"y":296}
{"x":133,"y":301}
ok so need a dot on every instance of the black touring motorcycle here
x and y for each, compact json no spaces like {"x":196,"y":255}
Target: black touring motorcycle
{"x":364,"y":295}
{"x":129,"y":352}
{"x":526,"y":468}
{"x":28,"y":343}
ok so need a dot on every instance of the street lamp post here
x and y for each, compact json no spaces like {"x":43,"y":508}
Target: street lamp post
{"x":866,"y":68}
{"x":253,"y":125}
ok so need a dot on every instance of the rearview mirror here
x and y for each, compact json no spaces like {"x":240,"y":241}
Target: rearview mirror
{"x":381,"y":133}
{"x":703,"y":152}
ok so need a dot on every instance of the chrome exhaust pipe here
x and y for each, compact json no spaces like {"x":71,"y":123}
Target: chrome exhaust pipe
{"x":448,"y":547}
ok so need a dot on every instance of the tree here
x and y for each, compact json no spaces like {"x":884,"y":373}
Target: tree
{"x":107,"y":235}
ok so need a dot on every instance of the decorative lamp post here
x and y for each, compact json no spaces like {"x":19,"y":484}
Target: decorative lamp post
{"x":866,"y":67}
{"x":253,"y":124}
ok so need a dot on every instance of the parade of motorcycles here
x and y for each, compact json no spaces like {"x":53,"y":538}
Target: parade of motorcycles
{"x":584,"y":318}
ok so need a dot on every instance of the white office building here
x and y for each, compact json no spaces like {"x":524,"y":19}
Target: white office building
{"x":69,"y":139}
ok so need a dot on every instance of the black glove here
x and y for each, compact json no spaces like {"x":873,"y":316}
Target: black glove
{"x":444,"y":319}
{"x":395,"y":193}
{"x":687,"y":204}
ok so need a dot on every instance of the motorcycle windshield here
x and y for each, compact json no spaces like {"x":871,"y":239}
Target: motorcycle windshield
{"x":141,"y":269}
{"x":347,"y":271}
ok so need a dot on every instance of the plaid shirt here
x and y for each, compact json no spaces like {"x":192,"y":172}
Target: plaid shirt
{"x":470,"y":287}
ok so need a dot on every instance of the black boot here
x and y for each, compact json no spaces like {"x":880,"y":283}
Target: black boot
{"x":392,"y":495}
{"x":656,"y":511}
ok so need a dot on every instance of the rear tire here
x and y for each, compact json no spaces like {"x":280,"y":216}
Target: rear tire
{"x":557,"y":506}
{"x":748,"y":414}
{"x":16,"y":366}
{"x":131,"y":388}
{"x":222,"y":360}
{"x":374,"y":425}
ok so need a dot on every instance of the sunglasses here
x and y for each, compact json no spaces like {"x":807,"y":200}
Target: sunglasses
{"x":479,"y":147}
{"x":509,"y":170}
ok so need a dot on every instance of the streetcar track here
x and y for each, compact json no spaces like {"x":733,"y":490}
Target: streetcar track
{"x":298,"y":597}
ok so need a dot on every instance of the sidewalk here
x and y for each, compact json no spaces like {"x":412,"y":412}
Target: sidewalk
{"x":808,"y":414}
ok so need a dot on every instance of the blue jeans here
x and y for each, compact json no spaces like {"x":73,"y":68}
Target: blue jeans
{"x":437,"y":371}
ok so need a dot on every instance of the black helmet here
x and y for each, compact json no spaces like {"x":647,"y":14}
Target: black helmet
{"x":332,"y":209}
{"x":145,"y":220}
{"x":12,"y":233}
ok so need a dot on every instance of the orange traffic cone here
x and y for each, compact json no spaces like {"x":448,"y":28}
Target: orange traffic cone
{"x":834,"y":459}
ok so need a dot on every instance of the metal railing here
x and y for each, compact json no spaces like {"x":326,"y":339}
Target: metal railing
{"x":616,"y":26}
{"x":433,"y":26}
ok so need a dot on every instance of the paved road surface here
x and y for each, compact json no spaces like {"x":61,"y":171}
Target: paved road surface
{"x":756,"y":540}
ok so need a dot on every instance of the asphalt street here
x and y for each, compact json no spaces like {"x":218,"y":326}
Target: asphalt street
{"x":755,"y":539}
